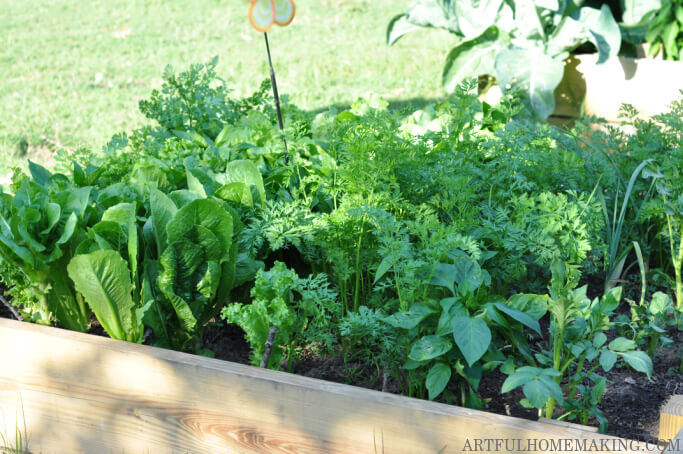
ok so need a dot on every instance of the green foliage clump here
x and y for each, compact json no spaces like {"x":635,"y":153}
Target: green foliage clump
{"x":281,"y":299}
{"x":420,"y":243}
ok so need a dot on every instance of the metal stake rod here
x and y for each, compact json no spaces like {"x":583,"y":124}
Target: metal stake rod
{"x":277,"y":99}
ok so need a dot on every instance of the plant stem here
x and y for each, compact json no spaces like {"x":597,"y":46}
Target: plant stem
{"x":677,"y":260}
{"x":356,"y":295}
{"x":557,"y":361}
{"x":652,"y":345}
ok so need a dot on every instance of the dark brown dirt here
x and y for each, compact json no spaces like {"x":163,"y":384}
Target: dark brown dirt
{"x":631,"y":402}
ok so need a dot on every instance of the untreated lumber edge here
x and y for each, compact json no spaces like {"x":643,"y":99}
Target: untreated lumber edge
{"x":80,"y":393}
{"x":671,"y":424}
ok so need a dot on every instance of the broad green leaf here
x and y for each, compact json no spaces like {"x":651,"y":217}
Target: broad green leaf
{"x":521,"y":317}
{"x":608,"y":359}
{"x":434,"y":13}
{"x":468,"y":275}
{"x":621,"y":344}
{"x":536,"y":306}
{"x":411,"y":318}
{"x":12,"y":249}
{"x":610,"y":300}
{"x":540,"y":389}
{"x":39,"y":173}
{"x":69,"y":229}
{"x":669,"y":37}
{"x":236,"y":192}
{"x":53,"y":214}
{"x":399,"y":26}
{"x":494,"y":315}
{"x":201,"y":182}
{"x":163,"y":210}
{"x":569,"y":34}
{"x":534,"y":72}
{"x":207,"y":214}
{"x":246,"y":268}
{"x":181,"y":269}
{"x":124,"y":214}
{"x":660,"y":303}
{"x":384,"y":266}
{"x":474,"y":17}
{"x":62,"y":302}
{"x":450,"y":308}
{"x":411,"y":364}
{"x":245,"y":171}
{"x":473,"y":374}
{"x":444,"y":276}
{"x":437,"y":379}
{"x":77,"y":200}
{"x":472,"y":337}
{"x":638,"y":360}
{"x":183,"y":197}
{"x":603,"y":31}
{"x":429,"y":347}
{"x":519,"y":377}
{"x":153,"y":310}
{"x":103,"y":278}
{"x":599,"y":340}
{"x":208,"y":285}
{"x":471,"y":59}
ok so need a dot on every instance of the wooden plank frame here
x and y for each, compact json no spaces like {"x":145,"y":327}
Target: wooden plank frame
{"x":671,"y":424}
{"x":80,"y":393}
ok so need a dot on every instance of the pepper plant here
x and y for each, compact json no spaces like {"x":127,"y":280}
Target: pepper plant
{"x":577,"y":349}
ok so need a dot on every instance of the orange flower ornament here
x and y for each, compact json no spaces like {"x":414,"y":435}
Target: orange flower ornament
{"x":264,"y":13}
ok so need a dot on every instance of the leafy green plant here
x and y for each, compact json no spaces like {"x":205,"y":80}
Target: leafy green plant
{"x":649,"y":322}
{"x":282,"y":299}
{"x":665,"y":30}
{"x":368,"y":338}
{"x":40,"y":227}
{"x":617,"y":252}
{"x":456,"y":332}
{"x":522,"y":44}
{"x":577,"y":348}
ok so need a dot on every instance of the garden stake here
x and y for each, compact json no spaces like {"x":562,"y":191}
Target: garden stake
{"x":269,"y":346}
{"x":262,"y":15}
{"x":277,"y":98}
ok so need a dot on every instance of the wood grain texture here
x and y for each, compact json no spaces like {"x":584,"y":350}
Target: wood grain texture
{"x":671,"y":418}
{"x":87,"y":394}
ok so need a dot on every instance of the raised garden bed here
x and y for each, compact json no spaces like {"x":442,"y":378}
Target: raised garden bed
{"x":80,"y":393}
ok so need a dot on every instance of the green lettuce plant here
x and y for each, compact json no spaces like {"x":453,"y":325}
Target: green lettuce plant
{"x":40,"y":227}
{"x":523,"y":44}
{"x":295,"y":306}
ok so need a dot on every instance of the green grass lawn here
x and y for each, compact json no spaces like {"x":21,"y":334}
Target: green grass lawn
{"x":72,"y":73}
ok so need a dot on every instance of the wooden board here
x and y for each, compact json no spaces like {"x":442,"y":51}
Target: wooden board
{"x":86,"y":394}
{"x":675,"y":446}
{"x":671,"y":418}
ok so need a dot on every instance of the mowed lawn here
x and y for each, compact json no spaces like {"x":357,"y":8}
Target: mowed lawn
{"x":72,"y":73}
